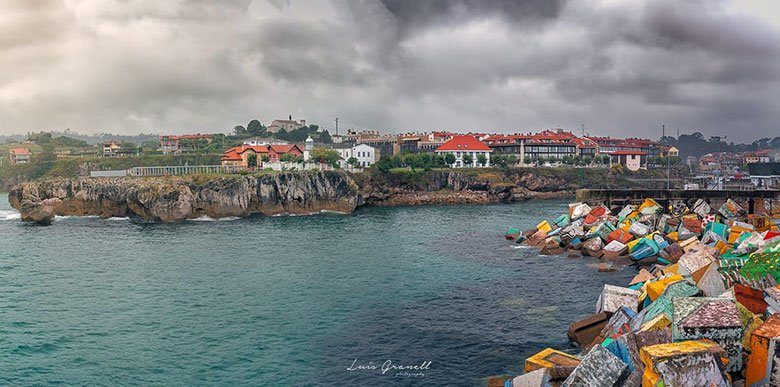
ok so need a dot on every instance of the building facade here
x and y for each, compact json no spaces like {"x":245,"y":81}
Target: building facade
{"x":545,"y":145}
{"x":365,"y":155}
{"x":175,"y":144}
{"x":20,"y":155}
{"x":632,"y":160}
{"x":467,"y":151}
{"x":239,"y":156}
{"x":288,"y":125}
{"x":261,"y":141}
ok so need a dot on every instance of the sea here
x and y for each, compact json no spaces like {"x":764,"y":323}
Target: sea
{"x":385,"y":296}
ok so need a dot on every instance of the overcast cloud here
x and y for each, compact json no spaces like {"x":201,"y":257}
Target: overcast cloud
{"x":619,"y":67}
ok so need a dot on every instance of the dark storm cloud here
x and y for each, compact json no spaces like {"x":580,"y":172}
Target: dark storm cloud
{"x":621,"y":67}
{"x":419,"y":14}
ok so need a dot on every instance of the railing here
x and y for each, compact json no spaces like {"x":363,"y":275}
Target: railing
{"x":184,"y":170}
{"x":210,"y":169}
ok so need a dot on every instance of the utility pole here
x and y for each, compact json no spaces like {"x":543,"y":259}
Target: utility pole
{"x":668,"y":161}
{"x":337,"y":126}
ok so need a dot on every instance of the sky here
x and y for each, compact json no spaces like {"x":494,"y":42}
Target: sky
{"x":616,"y":67}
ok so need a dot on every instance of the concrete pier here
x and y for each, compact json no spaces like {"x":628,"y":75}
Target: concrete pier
{"x":619,"y":197}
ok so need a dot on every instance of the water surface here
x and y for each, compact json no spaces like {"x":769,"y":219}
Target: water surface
{"x":284,"y":300}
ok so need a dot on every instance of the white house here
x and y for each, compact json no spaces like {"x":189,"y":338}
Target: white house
{"x":465,"y":147}
{"x":261,"y":141}
{"x":365,"y":154}
{"x":633,"y":160}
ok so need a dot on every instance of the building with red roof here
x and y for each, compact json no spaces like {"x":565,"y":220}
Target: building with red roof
{"x":467,"y":151}
{"x":552,"y":143}
{"x":20,"y":155}
{"x":239,"y":156}
{"x":174,"y":144}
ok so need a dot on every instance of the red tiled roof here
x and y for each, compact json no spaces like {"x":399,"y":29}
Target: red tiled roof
{"x":628,"y":152}
{"x":19,"y":151}
{"x":464,"y":143}
{"x":231,"y":155}
{"x":284,"y":148}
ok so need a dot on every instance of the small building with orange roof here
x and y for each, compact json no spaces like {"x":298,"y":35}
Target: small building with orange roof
{"x":20,"y":155}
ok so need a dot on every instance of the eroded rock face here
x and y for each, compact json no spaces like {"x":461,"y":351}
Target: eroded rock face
{"x":170,"y":199}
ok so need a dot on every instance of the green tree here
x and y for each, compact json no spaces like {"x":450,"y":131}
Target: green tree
{"x":449,"y":159}
{"x":353,"y":162}
{"x":497,"y":160}
{"x":255,"y":128}
{"x":325,"y":137}
{"x":384,"y":164}
{"x":239,"y":130}
{"x":325,"y":156}
{"x":527,"y":160}
{"x":291,"y":158}
{"x":468,"y":159}
{"x":482,"y":159}
{"x":251,"y":160}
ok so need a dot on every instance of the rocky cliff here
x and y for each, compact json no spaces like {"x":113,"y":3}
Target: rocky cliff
{"x":170,"y":199}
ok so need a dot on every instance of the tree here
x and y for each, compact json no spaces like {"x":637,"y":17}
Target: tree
{"x":355,"y":163}
{"x":291,"y":158}
{"x":40,"y":138}
{"x":239,"y":130}
{"x":528,"y":160}
{"x":449,"y":159}
{"x":384,"y":164}
{"x":482,"y":159}
{"x":255,"y":128}
{"x":468,"y":159}
{"x":325,"y":156}
{"x":325,"y":137}
{"x":251,"y":159}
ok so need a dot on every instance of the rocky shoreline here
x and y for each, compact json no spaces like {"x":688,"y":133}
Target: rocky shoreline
{"x":177,"y":198}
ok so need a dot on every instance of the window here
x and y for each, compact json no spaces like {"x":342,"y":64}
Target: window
{"x":458,"y":153}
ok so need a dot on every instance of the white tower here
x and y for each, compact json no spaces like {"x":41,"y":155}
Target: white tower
{"x":307,"y":148}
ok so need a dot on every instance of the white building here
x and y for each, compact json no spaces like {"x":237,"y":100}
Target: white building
{"x":262,"y":141}
{"x":365,"y":154}
{"x":467,"y":151}
{"x":632,"y":160}
{"x":308,"y":146}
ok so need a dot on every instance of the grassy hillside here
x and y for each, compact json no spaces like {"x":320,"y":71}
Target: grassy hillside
{"x":75,"y":166}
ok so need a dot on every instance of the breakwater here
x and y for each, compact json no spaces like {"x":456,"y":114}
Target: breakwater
{"x":702,"y":310}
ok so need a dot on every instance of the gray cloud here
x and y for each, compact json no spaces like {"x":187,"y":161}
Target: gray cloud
{"x":621,"y":67}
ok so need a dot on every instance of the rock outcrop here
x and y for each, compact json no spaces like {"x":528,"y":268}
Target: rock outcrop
{"x":171,"y":199}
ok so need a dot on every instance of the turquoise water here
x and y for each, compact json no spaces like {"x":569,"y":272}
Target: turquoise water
{"x":284,"y":300}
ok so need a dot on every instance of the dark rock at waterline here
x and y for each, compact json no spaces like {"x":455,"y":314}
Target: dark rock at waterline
{"x":170,"y":199}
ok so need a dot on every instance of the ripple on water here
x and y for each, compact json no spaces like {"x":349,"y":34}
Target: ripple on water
{"x":284,"y":301}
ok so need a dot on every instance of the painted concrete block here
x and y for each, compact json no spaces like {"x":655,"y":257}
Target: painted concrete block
{"x":538,"y":378}
{"x":613,"y":298}
{"x":598,"y":368}
{"x":763,"y":368}
{"x":714,"y":319}
{"x":692,"y":363}
{"x":559,"y":365}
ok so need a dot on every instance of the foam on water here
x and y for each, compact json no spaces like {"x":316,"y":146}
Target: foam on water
{"x":10,"y":215}
{"x":206,"y":218}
